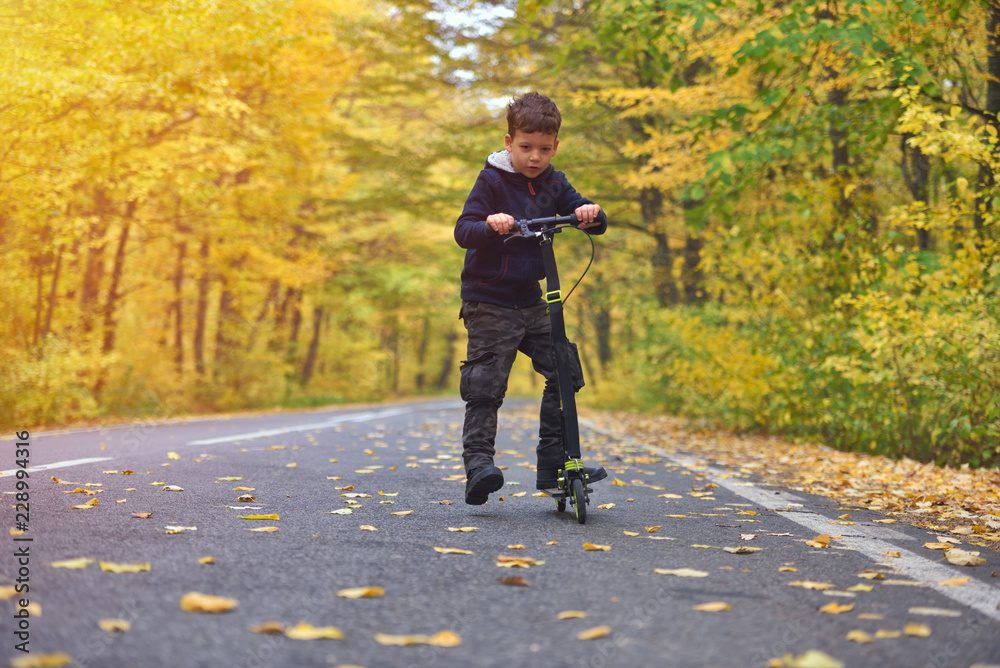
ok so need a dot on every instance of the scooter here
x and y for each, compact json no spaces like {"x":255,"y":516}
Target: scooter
{"x":573,"y":482}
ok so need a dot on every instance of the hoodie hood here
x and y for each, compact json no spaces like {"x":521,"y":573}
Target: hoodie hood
{"x":501,"y":160}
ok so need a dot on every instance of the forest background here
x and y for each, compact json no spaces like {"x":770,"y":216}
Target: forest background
{"x":212,"y":206}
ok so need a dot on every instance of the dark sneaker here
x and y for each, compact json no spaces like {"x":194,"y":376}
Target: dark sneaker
{"x":548,"y":478}
{"x":482,"y":482}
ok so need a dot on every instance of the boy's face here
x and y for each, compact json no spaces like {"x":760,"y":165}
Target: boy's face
{"x":531,"y":153}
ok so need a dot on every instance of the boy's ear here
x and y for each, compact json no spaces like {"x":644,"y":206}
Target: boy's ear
{"x":508,"y":143}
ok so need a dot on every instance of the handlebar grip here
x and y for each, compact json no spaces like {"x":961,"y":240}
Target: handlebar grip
{"x":489,"y":231}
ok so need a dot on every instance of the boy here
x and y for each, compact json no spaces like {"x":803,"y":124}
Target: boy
{"x":502,"y":304}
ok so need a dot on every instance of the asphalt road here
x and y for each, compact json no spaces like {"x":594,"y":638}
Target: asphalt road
{"x":407,"y":457}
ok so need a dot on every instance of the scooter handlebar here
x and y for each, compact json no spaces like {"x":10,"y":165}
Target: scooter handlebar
{"x":533,"y":225}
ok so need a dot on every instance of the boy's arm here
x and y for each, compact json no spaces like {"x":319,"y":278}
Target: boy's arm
{"x":470,"y":230}
{"x":588,"y":212}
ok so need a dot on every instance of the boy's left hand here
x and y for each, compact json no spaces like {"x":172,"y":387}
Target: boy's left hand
{"x":587,"y":215}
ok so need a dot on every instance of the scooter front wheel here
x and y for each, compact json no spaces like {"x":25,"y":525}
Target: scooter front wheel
{"x":580,"y":501}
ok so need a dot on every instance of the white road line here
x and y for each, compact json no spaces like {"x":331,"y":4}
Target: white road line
{"x":58,"y":465}
{"x":975,"y":594}
{"x":349,"y":417}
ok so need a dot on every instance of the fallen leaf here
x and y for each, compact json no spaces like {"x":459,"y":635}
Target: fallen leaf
{"x":402,"y":512}
{"x":514,"y":581}
{"x":748,"y":536}
{"x":606,"y":506}
{"x":742,"y":549}
{"x":860,"y":636}
{"x":836,"y":608}
{"x":124,"y":568}
{"x":72,"y":563}
{"x":196,"y":602}
{"x":938,"y":546}
{"x":515,"y":547}
{"x":141,"y":515}
{"x":871,"y":575}
{"x":870,"y":615}
{"x":917,"y":630}
{"x":356,"y":495}
{"x":596,"y":548}
{"x":52,"y":660}
{"x":714,"y":606}
{"x":439,"y":639}
{"x":451,"y":550}
{"x":273,"y":516}
{"x":342,"y":511}
{"x":264,"y":529}
{"x":381,"y":493}
{"x":506,"y":561}
{"x":594,"y":633}
{"x":114,"y":625}
{"x":630,"y":533}
{"x":681,"y":572}
{"x":822,"y":540}
{"x":268,"y":627}
{"x":618,"y":483}
{"x":653,"y":529}
{"x":809,"y":584}
{"x":571,"y":614}
{"x":231,"y":478}
{"x":207,"y":560}
{"x":173,"y":488}
{"x":885,"y":521}
{"x":811,"y":659}
{"x":462,"y":529}
{"x":963,"y":557}
{"x":361,"y":592}
{"x":887,"y":633}
{"x":368,"y":527}
{"x":787,"y":569}
{"x":935,"y":612}
{"x":895,"y":554}
{"x":170,"y":528}
{"x":955,"y":582}
{"x":304,"y":631}
{"x":173,"y":455}
{"x":860,"y":587}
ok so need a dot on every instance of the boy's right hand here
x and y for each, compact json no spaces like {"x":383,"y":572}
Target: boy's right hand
{"x":502,"y":223}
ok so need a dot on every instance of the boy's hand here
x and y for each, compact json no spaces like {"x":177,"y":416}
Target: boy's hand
{"x":501,"y":222}
{"x":587,"y":214}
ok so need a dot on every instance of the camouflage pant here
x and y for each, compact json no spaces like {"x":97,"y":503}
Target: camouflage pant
{"x":496,"y":334}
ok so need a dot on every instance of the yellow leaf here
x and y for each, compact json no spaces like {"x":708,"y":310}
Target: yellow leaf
{"x":402,"y":512}
{"x":207,"y":560}
{"x":451,"y":550}
{"x":124,"y":568}
{"x":264,"y":529}
{"x":244,"y":489}
{"x":955,"y":582}
{"x":304,"y":631}
{"x":788,"y":569}
{"x":273,"y":516}
{"x":935,"y":612}
{"x":650,"y":529}
{"x":822,"y":540}
{"x":894,"y":554}
{"x":462,"y":529}
{"x":681,"y":572}
{"x":361,"y":592}
{"x":114,"y":625}
{"x":606,"y":506}
{"x":594,"y":633}
{"x":670,"y":496}
{"x":232,"y":478}
{"x":871,"y":575}
{"x":571,"y":614}
{"x":196,"y":602}
{"x":917,"y":630}
{"x":860,"y":587}
{"x":368,"y":527}
{"x":742,"y":549}
{"x":515,"y":547}
{"x":885,"y":521}
{"x":596,"y":548}
{"x":381,"y":493}
{"x":506,"y":561}
{"x":809,"y":584}
{"x":56,"y":660}
{"x":860,"y":636}
{"x":630,"y":533}
{"x":72,"y":563}
{"x":439,"y":639}
{"x":715,"y":606}
{"x":836,"y":608}
{"x":173,"y":455}
{"x":142,"y":516}
{"x":178,"y":529}
{"x":887,"y":633}
{"x":938,"y":546}
{"x":518,"y":494}
{"x":963,"y":558}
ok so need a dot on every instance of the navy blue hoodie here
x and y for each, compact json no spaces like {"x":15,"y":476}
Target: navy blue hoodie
{"x":507,"y":274}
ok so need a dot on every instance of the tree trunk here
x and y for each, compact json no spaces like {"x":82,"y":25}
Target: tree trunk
{"x":692,"y":277}
{"x":52,"y":294}
{"x":447,"y":365}
{"x":310,"y":364}
{"x":986,"y":182}
{"x":111,"y":305}
{"x":916,"y":167}
{"x":179,"y":308}
{"x":201,"y":314}
{"x":425,"y":332}
{"x":93,"y":272}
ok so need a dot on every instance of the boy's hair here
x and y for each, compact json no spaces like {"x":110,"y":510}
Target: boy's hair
{"x":533,"y":112}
